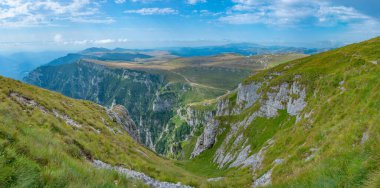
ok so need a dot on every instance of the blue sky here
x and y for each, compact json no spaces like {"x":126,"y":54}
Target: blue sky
{"x":37,"y":25}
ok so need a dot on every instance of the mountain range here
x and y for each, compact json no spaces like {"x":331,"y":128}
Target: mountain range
{"x":159,"y":120}
{"x":18,"y":65}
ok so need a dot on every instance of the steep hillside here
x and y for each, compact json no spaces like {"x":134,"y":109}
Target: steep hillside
{"x":48,"y":140}
{"x":153,"y":91}
{"x":312,"y":122}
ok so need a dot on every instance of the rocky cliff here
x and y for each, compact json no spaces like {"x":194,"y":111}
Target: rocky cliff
{"x":312,"y":122}
{"x":255,"y":103}
{"x":296,"y":123}
{"x":136,"y":90}
{"x":49,"y":140}
{"x":154,"y":91}
{"x":120,"y":114}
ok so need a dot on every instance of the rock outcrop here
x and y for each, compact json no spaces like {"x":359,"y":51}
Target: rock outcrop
{"x":235,"y":150}
{"x":195,"y":117}
{"x":247,"y":95}
{"x":138,"y":176}
{"x":207,"y":139}
{"x":31,"y":103}
{"x":135,"y":90}
{"x":121,"y":115}
{"x":264,"y":180}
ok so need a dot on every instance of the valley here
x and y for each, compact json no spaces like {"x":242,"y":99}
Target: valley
{"x":189,"y":94}
{"x":153,"y":91}
{"x":279,"y":120}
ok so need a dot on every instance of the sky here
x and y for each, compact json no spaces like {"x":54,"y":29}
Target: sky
{"x":40,"y":25}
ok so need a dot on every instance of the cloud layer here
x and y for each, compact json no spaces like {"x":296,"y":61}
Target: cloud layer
{"x":153,"y":11}
{"x":19,"y":13}
{"x":193,"y":2}
{"x":291,"y":12}
{"x":109,"y":22}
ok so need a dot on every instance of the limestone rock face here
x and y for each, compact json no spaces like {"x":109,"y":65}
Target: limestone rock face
{"x":121,"y":115}
{"x":275,"y":101}
{"x":207,"y":139}
{"x":223,"y":107}
{"x":264,"y":180}
{"x":135,"y":90}
{"x":295,"y":106}
{"x":194,"y":117}
{"x":234,"y":151}
{"x":247,"y":94}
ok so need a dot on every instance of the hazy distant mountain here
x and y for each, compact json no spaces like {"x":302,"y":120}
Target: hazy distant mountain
{"x":118,"y":54}
{"x":69,"y":58}
{"x":94,"y":50}
{"x":240,"y":48}
{"x":17,"y":65}
{"x":7,"y":68}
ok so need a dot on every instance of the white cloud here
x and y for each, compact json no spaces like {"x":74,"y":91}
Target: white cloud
{"x":206,"y":13}
{"x":193,"y":2}
{"x":291,"y":12}
{"x":95,"y":42}
{"x":119,"y":1}
{"x":153,"y":11}
{"x":21,"y":13}
{"x":58,"y":38}
{"x":246,"y":18}
{"x":106,"y":20}
{"x":104,"y":41}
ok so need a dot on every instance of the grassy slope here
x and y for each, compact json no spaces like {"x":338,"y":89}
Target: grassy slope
{"x":38,"y":149}
{"x":339,"y":120}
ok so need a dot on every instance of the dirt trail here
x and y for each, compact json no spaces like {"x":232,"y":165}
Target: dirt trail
{"x":197,"y":84}
{"x":158,"y":67}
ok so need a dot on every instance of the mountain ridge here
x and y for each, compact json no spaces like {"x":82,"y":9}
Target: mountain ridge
{"x":157,"y":88}
{"x":295,"y":124}
{"x":310,"y":122}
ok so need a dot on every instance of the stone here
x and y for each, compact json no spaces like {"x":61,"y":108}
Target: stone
{"x":121,"y":115}
{"x":138,"y":176}
{"x":264,"y":180}
{"x":207,"y":139}
{"x":247,"y":94}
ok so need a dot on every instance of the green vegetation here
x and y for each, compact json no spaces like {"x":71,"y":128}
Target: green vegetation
{"x":215,"y":77}
{"x":336,"y":142}
{"x":137,"y":86}
{"x":333,"y":142}
{"x":203,"y":165}
{"x":38,"y":149}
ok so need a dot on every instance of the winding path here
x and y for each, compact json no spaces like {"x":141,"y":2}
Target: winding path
{"x":198,"y":84}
